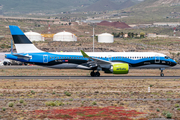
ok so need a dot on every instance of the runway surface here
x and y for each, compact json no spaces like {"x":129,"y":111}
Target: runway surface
{"x":88,"y":77}
{"x":39,"y":67}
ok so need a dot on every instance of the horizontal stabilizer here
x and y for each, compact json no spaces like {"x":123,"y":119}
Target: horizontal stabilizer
{"x":22,"y":56}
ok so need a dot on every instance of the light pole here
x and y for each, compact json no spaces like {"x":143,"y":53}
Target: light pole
{"x":93,"y":24}
{"x":93,"y":38}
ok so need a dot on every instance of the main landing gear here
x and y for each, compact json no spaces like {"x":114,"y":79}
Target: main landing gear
{"x":162,"y":74}
{"x":95,"y":74}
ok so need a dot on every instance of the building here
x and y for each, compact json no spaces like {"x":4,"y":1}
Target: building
{"x":64,"y":36}
{"x":153,"y":35}
{"x":171,"y":24}
{"x":105,"y":38}
{"x":33,"y":36}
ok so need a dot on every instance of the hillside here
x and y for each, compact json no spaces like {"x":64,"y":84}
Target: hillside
{"x":13,"y":7}
{"x":42,"y":6}
{"x":150,"y":11}
{"x":127,"y":4}
{"x":104,"y":5}
{"x":157,"y":3}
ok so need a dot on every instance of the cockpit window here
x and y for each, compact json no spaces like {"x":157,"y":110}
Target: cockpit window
{"x":166,"y":57}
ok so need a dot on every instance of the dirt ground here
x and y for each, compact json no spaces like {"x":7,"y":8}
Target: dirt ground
{"x":125,"y":99}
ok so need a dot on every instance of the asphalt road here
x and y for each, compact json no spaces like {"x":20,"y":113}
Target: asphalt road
{"x":88,"y":77}
{"x":39,"y":67}
{"x":79,"y":77}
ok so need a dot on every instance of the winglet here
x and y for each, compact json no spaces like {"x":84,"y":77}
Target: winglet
{"x":84,"y":54}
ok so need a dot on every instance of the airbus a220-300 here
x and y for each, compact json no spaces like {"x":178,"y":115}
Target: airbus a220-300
{"x":109,"y":62}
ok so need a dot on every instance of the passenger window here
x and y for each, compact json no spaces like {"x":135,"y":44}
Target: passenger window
{"x":55,"y":57}
{"x":50,"y":57}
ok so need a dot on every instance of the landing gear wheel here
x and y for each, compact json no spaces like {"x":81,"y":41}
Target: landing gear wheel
{"x":97,"y":74}
{"x":162,"y":74}
{"x":92,"y":74}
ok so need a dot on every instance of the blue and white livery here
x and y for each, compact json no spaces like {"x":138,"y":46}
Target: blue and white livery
{"x":109,"y":62}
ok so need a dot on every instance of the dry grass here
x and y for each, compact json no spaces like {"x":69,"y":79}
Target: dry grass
{"x":130,"y":93}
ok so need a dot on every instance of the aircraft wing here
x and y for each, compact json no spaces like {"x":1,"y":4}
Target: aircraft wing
{"x":98,"y":61}
{"x":95,"y":62}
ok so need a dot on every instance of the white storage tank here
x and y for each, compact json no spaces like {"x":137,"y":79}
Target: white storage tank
{"x":33,"y":36}
{"x":105,"y":38}
{"x":64,"y":36}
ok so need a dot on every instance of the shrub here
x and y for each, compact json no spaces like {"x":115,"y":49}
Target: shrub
{"x":24,"y":103}
{"x":32,"y":92}
{"x":168,"y":99}
{"x":67,"y":93}
{"x":53,"y":92}
{"x":56,"y":103}
{"x":4,"y":109}
{"x":164,"y":113}
{"x":150,"y":85}
{"x":178,"y":109}
{"x":94,"y":103}
{"x":1,"y":94}
{"x":157,"y":109}
{"x":176,"y":105}
{"x":11,"y":104}
{"x":51,"y":103}
{"x":59,"y":103}
{"x":21,"y":101}
{"x":169,"y":115}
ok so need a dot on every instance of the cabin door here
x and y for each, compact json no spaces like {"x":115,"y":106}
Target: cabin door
{"x":157,"y":59}
{"x":45,"y":58}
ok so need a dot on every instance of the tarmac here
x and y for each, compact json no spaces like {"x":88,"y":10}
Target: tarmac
{"x":39,"y":67}
{"x":89,"y":77}
{"x":80,"y":77}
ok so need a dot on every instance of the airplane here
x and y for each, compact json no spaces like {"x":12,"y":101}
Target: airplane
{"x":109,"y":62}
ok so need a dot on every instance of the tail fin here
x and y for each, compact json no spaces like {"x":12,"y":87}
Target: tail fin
{"x":22,"y":43}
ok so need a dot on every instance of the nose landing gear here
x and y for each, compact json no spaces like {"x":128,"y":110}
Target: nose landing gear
{"x":95,"y":74}
{"x":162,"y":74}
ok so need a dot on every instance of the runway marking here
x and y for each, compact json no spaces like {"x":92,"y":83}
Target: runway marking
{"x":89,"y":77}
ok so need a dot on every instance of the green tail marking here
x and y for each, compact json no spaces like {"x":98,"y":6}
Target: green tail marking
{"x":84,"y":54}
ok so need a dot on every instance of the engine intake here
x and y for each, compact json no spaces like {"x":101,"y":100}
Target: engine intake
{"x":121,"y":68}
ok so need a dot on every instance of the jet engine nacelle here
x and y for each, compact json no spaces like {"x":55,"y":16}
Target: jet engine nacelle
{"x":120,"y":68}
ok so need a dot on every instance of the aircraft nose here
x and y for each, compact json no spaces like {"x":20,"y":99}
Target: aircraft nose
{"x":174,"y":63}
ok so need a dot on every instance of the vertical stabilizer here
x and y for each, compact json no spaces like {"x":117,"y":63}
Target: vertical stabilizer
{"x":22,"y":43}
